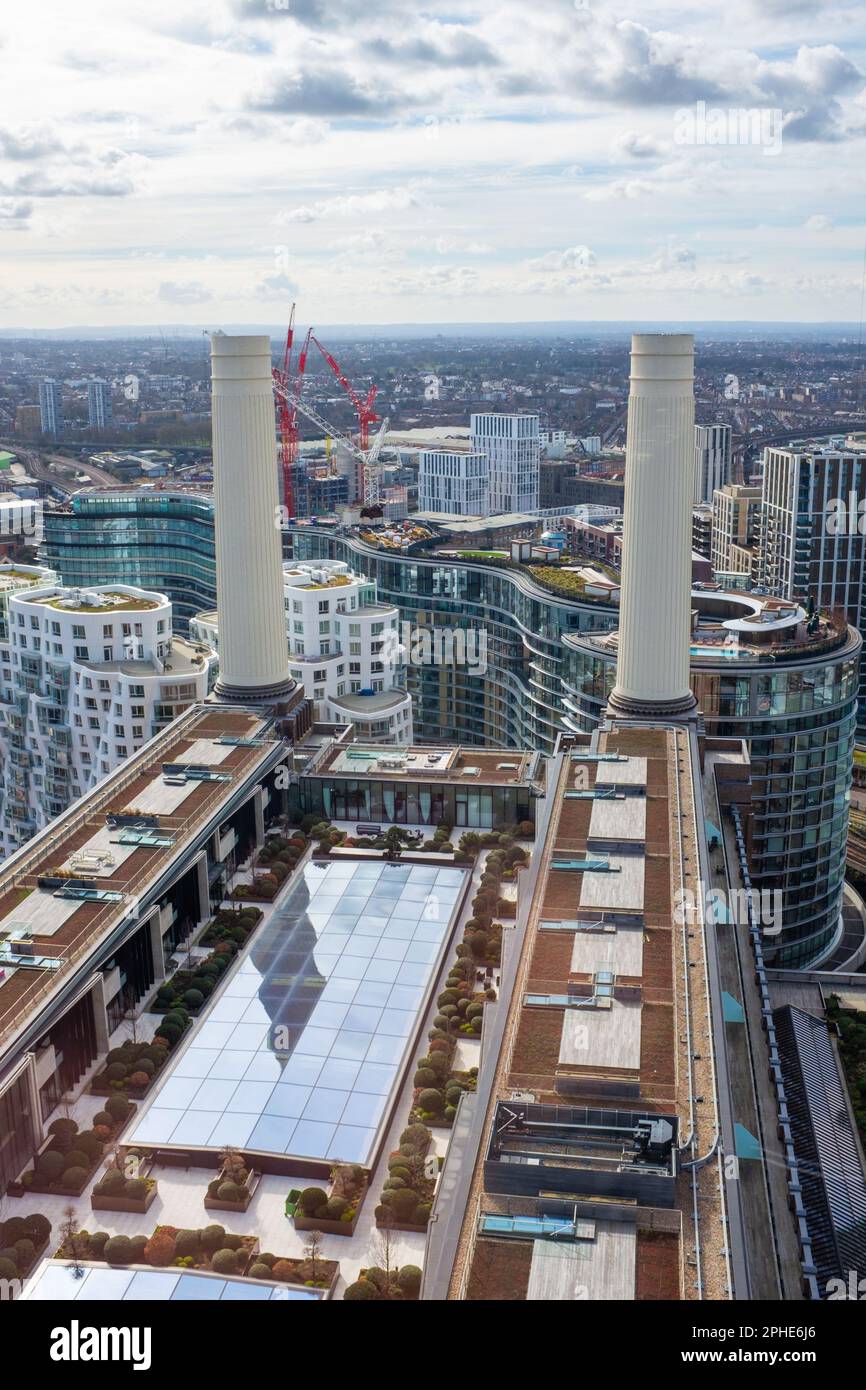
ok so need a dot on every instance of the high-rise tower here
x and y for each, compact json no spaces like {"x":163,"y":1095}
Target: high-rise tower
{"x":652,"y":673}
{"x":254,"y":658}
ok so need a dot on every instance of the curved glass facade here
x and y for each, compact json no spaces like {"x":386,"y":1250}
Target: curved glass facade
{"x":799,"y":724}
{"x":548,"y":669}
{"x":517,"y":701}
{"x":154,"y":540}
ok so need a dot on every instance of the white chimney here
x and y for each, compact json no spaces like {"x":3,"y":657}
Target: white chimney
{"x":254,"y":656}
{"x":652,"y":670}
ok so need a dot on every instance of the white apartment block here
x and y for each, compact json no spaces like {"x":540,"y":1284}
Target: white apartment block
{"x":99,"y":413}
{"x":454,"y":481}
{"x":513,"y":447}
{"x":712,"y":461}
{"x":88,"y":677}
{"x":344,"y":649}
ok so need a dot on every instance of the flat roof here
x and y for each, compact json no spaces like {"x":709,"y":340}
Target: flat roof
{"x":623,"y":888}
{"x":449,"y":764}
{"x":73,"y":928}
{"x":620,"y":951}
{"x":309,"y":1038}
{"x":603,"y":1267}
{"x":603,"y":1038}
{"x":618,"y":819}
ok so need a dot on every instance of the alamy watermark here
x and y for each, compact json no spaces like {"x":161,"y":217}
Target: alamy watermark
{"x":737,"y":906}
{"x":410,"y":645}
{"x":732,"y":125}
{"x":24,"y":520}
{"x":845,"y":516}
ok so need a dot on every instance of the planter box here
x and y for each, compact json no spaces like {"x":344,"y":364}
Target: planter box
{"x":401,"y":1226}
{"x":327,"y":1228}
{"x":217,"y":1204}
{"x":134,"y":1204}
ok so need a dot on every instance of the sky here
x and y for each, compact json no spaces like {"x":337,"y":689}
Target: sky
{"x":209,"y":163}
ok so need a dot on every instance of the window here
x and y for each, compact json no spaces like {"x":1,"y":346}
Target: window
{"x":107,"y":630}
{"x":81,"y":653}
{"x":77,"y":630}
{"x":324,"y":606}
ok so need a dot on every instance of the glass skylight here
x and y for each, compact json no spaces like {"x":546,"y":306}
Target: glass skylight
{"x":85,"y":1283}
{"x":306,"y":1042}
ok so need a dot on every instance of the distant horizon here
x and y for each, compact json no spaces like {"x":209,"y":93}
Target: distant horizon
{"x":457,"y":328}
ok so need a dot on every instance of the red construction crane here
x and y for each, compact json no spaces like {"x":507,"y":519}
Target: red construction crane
{"x":363,"y":408}
{"x":287,"y":410}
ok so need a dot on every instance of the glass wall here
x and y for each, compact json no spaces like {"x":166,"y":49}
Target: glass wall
{"x":18,"y":1130}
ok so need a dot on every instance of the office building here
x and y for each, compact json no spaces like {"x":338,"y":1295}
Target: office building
{"x":151,"y":540}
{"x":98,"y":404}
{"x":89,"y":676}
{"x":513,"y":449}
{"x":51,"y":408}
{"x":712,"y":461}
{"x":454,"y":482}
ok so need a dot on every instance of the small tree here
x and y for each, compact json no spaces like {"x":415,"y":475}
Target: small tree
{"x":68,"y":1233}
{"x":393,"y":842}
{"x":382,"y":1253}
{"x":313,"y":1253}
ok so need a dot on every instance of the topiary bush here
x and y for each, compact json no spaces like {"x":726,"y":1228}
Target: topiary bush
{"x":25,"y":1253}
{"x":116,"y":1071}
{"x":74,"y":1177}
{"x":312,"y":1198}
{"x":98,"y":1242}
{"x":76,"y":1159}
{"x":335,"y":1207}
{"x":260,"y":1271}
{"x":8,"y":1268}
{"x":213,"y":1237}
{"x":118,"y":1108}
{"x":38,"y":1227}
{"x":103,"y":1119}
{"x":117,"y":1250}
{"x":404,"y":1203}
{"x":229,"y":1192}
{"x":50,"y":1165}
{"x":187,"y":1243}
{"x":361,"y":1291}
{"x":135,"y":1189}
{"x":112,"y":1184}
{"x":409,"y":1280}
{"x":431,"y":1102}
{"x":224,"y":1261}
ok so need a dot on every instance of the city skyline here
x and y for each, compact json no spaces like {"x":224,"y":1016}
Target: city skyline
{"x":217,"y":165}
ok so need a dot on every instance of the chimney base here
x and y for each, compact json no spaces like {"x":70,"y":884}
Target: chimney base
{"x":622,"y":706}
{"x":258,"y":695}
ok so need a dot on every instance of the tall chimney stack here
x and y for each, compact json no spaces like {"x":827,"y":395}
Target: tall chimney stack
{"x":652,"y":669}
{"x":254,"y":653}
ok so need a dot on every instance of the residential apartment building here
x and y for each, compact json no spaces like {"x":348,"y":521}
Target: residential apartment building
{"x":51,"y":408}
{"x":513,"y":448}
{"x":735,"y":527}
{"x":88,"y":677}
{"x":712,"y":461}
{"x":454,"y":481}
{"x":98,"y":404}
{"x":344,"y":649}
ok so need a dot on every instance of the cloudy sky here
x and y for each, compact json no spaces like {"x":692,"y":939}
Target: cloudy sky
{"x":208,"y":163}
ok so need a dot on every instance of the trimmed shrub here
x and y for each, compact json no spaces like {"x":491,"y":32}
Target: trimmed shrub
{"x":63,"y":1129}
{"x":229,"y":1192}
{"x":430,"y":1101}
{"x":213,"y":1237}
{"x":98,"y":1242}
{"x":194,"y":998}
{"x":224,"y":1261}
{"x":477,"y":1023}
{"x":259,"y":1271}
{"x":403,"y":1203}
{"x":266,"y":1258}
{"x":74,"y":1177}
{"x":424,"y":1076}
{"x":112,"y":1183}
{"x":422,"y":1213}
{"x":335,"y":1207}
{"x":187,"y":1243}
{"x":361,"y":1291}
{"x":438,"y":1062}
{"x":116,"y":1071}
{"x":76,"y":1159}
{"x":50,"y":1164}
{"x":103,"y":1118}
{"x":135,"y":1189}
{"x":139,"y":1080}
{"x":117,"y":1250}
{"x":90,"y":1144}
{"x":282,"y":1270}
{"x":448,"y":996}
{"x":118,"y":1108}
{"x":137,"y":1245}
{"x":38,"y":1227}
{"x":416,"y":1135}
{"x":8,"y":1268}
{"x":25,"y":1252}
{"x":474,"y":1009}
{"x":312,"y":1198}
{"x":409,"y":1279}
